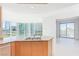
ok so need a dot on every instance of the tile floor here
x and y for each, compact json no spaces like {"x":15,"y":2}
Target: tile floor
{"x":67,"y":47}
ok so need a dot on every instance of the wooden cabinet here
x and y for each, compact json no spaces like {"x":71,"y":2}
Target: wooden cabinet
{"x":30,"y":48}
{"x":37,"y":48}
{"x":12,"y":48}
{"x":26,"y":48}
{"x":45,"y":48}
{"x":23,"y":49}
{"x":5,"y":50}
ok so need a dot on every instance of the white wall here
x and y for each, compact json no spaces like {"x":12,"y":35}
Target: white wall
{"x":49,"y":27}
{"x":50,"y":21}
{"x":18,"y":17}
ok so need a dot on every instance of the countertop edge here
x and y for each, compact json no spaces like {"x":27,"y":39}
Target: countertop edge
{"x":2,"y":43}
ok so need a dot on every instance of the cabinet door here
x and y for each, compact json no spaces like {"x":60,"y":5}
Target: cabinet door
{"x":26,"y":49}
{"x":12,"y":48}
{"x":5,"y":50}
{"x":45,"y":48}
{"x":23,"y":48}
{"x":37,"y":49}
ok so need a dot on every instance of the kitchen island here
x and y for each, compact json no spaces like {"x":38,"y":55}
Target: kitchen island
{"x":27,"y":47}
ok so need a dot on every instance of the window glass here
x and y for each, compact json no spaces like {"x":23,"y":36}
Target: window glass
{"x":67,"y":30}
{"x":62,"y":30}
{"x":13,"y":29}
{"x":27,"y":29}
{"x":36,"y":29}
{"x":70,"y":30}
{"x":6,"y":28}
{"x":21,"y":29}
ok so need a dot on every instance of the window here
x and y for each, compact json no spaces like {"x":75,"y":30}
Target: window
{"x":30,"y":29}
{"x":67,"y":30}
{"x":21,"y":29}
{"x":27,"y":29}
{"x":36,"y":29}
{"x":70,"y":30}
{"x":6,"y":29}
{"x":13,"y":29}
{"x":62,"y":30}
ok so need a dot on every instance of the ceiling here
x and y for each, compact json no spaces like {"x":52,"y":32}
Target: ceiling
{"x":35,"y":8}
{"x":33,"y":12}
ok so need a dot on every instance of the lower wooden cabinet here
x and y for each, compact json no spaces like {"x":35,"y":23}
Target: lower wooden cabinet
{"x":30,"y":48}
{"x":5,"y":50}
{"x":37,"y":49}
{"x":46,"y":48}
{"x":26,"y":48}
{"x":23,"y":49}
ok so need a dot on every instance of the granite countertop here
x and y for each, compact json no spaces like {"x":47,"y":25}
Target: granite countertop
{"x":15,"y":38}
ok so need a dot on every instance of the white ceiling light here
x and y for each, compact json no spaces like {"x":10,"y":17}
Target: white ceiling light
{"x":32,"y":7}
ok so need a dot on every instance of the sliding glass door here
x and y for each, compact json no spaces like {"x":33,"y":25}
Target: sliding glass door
{"x":67,"y":30}
{"x":62,"y":30}
{"x":30,"y":29}
{"x":70,"y":30}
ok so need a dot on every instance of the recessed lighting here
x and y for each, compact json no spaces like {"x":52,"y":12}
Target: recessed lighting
{"x":32,"y":7}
